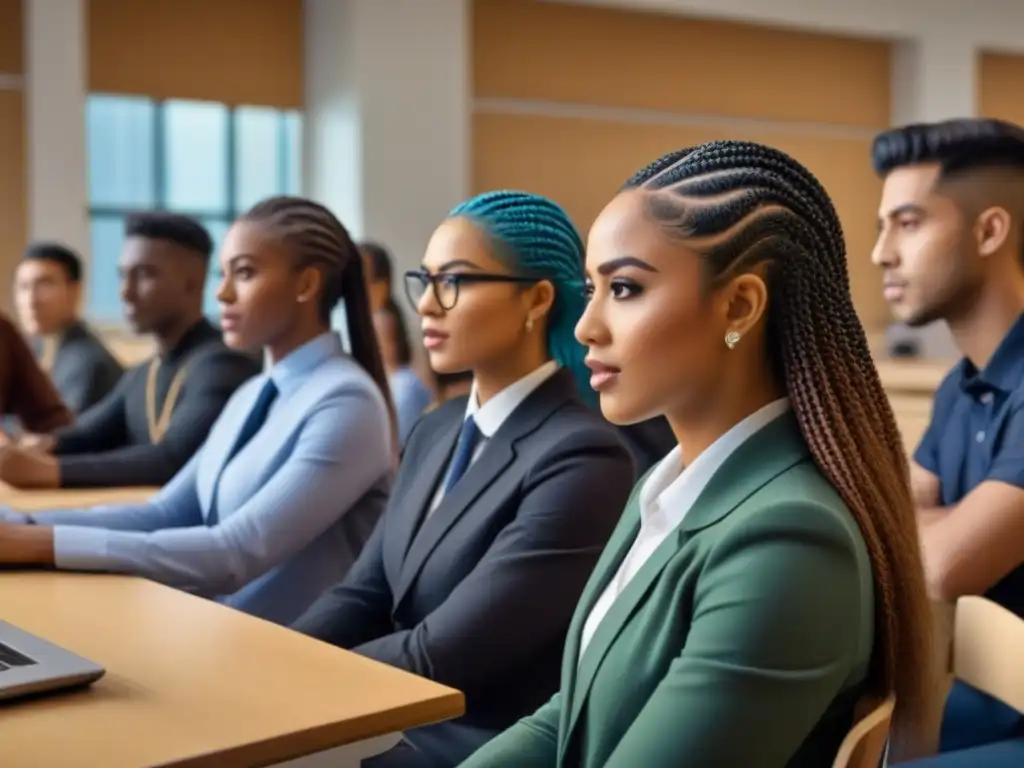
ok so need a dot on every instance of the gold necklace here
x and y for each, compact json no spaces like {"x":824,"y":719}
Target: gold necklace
{"x":159,"y":423}
{"x":48,"y":353}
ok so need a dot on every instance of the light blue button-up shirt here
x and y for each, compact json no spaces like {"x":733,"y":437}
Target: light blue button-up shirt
{"x":294,"y":506}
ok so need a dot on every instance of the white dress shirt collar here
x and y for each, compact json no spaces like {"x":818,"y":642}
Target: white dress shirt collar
{"x":492,"y":414}
{"x":671,"y":489}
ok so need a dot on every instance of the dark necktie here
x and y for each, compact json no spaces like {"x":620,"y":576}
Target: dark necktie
{"x":257,"y":416}
{"x":468,"y":439}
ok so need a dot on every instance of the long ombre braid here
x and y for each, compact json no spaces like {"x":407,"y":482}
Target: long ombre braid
{"x":741,"y":204}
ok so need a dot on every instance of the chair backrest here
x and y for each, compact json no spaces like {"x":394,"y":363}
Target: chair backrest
{"x":865,"y":743}
{"x":987,"y":640}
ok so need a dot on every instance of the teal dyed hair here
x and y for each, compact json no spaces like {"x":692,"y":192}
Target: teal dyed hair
{"x":536,"y":238}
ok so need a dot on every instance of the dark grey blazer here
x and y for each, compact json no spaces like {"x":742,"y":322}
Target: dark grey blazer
{"x":481,"y":597}
{"x":84,"y":370}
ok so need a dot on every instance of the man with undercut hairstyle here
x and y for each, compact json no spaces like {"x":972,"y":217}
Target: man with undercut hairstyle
{"x":951,"y":248}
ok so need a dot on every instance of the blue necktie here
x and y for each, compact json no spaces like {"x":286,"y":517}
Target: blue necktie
{"x":468,"y":439}
{"x":257,"y":416}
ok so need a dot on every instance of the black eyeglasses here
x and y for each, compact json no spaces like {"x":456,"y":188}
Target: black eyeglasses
{"x":446,"y":284}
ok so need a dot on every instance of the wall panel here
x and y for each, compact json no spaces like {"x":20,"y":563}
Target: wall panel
{"x":13,"y":183}
{"x":233,"y":51}
{"x":11,"y":26}
{"x":569,"y":100}
{"x":1001,"y":86}
{"x":526,"y":49}
{"x":581,"y":163}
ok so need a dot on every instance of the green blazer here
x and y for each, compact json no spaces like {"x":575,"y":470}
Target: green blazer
{"x":743,"y":642}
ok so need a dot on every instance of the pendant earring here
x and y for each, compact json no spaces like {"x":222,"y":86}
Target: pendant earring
{"x":529,"y":325}
{"x":732,"y":339}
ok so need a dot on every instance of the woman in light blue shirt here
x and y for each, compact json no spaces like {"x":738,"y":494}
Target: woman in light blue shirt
{"x":279,"y":501}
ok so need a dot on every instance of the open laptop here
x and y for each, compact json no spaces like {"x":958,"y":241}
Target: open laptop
{"x":30,"y":665}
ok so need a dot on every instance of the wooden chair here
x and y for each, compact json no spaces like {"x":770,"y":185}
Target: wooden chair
{"x":987,"y":642}
{"x":865,"y":743}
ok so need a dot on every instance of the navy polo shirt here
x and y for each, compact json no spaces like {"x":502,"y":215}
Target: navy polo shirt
{"x":977,"y":434}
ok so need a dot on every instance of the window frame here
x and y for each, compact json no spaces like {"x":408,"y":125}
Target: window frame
{"x":284,"y":172}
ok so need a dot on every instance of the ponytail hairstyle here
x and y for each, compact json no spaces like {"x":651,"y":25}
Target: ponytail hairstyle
{"x":742,"y":204}
{"x":535,"y":238}
{"x":318,"y":239}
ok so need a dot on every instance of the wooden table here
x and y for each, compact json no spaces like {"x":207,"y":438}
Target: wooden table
{"x":36,"y":501}
{"x":192,"y":683}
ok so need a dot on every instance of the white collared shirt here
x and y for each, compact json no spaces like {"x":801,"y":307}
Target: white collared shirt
{"x":668,"y":494}
{"x":491,"y":415}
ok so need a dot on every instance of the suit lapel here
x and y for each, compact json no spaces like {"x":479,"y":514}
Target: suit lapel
{"x":421,"y":489}
{"x":607,"y":566}
{"x":497,"y":455}
{"x":773,"y":450}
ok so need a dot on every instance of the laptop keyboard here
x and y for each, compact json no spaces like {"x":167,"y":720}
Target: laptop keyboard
{"x":12,"y":658}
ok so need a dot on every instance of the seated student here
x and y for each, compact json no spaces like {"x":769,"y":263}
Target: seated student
{"x":279,"y":500}
{"x":765,"y":574}
{"x":47,"y":295}
{"x":503,"y":500}
{"x":148,"y":428}
{"x":26,"y":392}
{"x":411,"y":396}
{"x":950,"y":245}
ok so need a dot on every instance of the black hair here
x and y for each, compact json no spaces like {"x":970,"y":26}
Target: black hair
{"x":741,"y":205}
{"x":403,"y":348}
{"x":59,"y":254}
{"x":958,"y":146}
{"x":380,"y":261}
{"x":183,"y":231}
{"x":318,"y":239}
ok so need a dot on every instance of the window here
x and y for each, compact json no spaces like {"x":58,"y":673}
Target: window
{"x":202,"y":159}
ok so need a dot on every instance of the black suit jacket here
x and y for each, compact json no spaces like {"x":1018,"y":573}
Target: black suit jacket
{"x":109,"y":444}
{"x":480,"y":596}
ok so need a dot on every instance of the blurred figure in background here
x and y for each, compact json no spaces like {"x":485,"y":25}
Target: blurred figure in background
{"x":47,"y":296}
{"x":26,"y":393}
{"x":377,"y":271}
{"x":410,"y":395}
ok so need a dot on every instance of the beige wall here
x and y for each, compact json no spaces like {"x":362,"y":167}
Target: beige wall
{"x":644,"y":84}
{"x":232,"y":51}
{"x":1001,"y":86}
{"x":13,"y":215}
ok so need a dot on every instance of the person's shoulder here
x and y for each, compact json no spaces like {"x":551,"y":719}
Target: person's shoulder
{"x":800,"y":504}
{"x":577,"y":424}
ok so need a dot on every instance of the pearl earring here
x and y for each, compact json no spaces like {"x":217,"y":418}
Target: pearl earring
{"x":529,"y":325}
{"x":732,"y":339}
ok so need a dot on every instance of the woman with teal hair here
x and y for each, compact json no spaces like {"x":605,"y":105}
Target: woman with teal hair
{"x":504,"y":498}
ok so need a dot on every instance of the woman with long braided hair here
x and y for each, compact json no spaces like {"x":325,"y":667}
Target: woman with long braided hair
{"x":765,"y":578}
{"x":504,"y":499}
{"x":278,"y":501}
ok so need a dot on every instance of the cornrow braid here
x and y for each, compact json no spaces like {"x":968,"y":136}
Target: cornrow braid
{"x":318,"y":239}
{"x":741,"y":204}
{"x":536,"y":238}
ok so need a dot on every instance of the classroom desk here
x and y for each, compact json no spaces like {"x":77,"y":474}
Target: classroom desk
{"x":35,"y":501}
{"x":192,"y":684}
